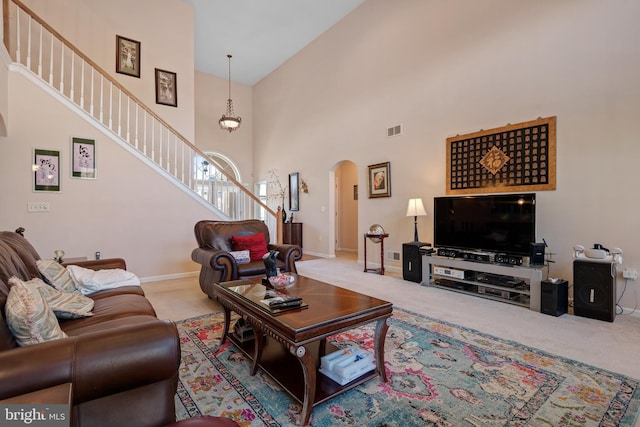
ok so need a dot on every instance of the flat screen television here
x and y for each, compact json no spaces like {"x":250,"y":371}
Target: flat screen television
{"x":504,"y":223}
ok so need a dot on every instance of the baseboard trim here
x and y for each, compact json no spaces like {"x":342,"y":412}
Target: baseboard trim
{"x":318,"y":254}
{"x":633,"y":312}
{"x":168,"y":277}
{"x":347,"y":250}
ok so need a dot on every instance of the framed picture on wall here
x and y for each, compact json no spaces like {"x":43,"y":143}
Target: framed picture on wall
{"x":379,"y":180}
{"x":294,"y":192}
{"x":166,"y":88}
{"x":83,"y":158}
{"x":127,"y":56}
{"x":46,"y":170}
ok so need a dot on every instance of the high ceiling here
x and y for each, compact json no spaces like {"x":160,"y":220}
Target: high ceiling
{"x":260,"y":34}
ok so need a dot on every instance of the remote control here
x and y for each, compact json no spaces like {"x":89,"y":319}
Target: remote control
{"x":285,"y":301}
{"x":283,"y":305}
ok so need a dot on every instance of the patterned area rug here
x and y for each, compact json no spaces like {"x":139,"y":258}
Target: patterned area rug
{"x":440,"y":374}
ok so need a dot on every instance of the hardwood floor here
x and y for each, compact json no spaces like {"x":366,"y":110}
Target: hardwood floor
{"x":178,"y":299}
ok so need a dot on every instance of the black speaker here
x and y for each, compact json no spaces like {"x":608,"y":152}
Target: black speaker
{"x":515,"y":260}
{"x":554,"y":297}
{"x":537,"y":254}
{"x":412,"y":262}
{"x":508,"y":259}
{"x":449,"y":253}
{"x":594,"y":290}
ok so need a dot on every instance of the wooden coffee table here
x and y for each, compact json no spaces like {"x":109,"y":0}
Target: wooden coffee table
{"x":301,"y":334}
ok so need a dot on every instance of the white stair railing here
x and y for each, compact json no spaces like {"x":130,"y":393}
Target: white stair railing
{"x":32,"y":43}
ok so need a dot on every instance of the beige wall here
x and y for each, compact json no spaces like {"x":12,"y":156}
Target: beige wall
{"x":159,"y":26}
{"x":210,"y":104}
{"x":129,"y":211}
{"x":447,"y":68}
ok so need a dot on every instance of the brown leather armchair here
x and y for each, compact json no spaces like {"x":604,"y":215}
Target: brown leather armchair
{"x":218,"y":265}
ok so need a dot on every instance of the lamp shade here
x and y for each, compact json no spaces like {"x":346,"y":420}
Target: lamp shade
{"x":415,"y":208}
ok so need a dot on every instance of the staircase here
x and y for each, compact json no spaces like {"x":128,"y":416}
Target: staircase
{"x":58,"y":66}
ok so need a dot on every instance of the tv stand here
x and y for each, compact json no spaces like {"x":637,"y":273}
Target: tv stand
{"x":519,"y":285}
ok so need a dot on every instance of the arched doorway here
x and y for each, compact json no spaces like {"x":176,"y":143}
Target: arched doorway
{"x":345,"y":186}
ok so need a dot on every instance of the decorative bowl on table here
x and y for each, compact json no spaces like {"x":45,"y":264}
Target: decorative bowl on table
{"x":283,"y":280}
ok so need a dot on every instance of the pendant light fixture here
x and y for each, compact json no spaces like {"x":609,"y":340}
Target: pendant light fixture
{"x":229,"y":121}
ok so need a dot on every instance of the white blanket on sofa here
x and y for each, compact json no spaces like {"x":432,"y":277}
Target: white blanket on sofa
{"x":89,"y":281}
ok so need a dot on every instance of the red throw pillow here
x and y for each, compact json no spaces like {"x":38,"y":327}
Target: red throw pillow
{"x":255,"y":243}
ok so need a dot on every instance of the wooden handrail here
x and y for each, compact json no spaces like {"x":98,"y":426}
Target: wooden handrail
{"x":5,"y":20}
{"x":69,"y":45}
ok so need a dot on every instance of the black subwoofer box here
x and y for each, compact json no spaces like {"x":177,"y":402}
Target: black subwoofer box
{"x":554,"y":297}
{"x":594,"y":290}
{"x":412,"y":261}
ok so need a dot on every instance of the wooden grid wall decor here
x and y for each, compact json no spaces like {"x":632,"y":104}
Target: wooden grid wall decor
{"x":513,"y":158}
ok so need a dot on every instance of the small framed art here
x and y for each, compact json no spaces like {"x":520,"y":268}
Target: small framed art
{"x":379,"y":180}
{"x":166,"y":88}
{"x":294,"y":192}
{"x":83,"y":164}
{"x":127,"y":56}
{"x":46,"y":170}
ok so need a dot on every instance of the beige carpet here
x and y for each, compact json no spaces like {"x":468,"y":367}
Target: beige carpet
{"x":613,"y":346}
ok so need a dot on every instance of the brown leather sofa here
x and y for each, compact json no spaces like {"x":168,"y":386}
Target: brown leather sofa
{"x":122,"y":362}
{"x":215,"y":244}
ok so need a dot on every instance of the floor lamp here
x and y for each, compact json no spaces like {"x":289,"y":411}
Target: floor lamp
{"x":415,"y":209}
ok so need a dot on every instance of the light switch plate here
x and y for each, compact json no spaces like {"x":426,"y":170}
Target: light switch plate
{"x":38,"y":207}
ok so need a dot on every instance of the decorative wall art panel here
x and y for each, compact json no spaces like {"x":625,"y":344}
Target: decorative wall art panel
{"x":83,"y":163}
{"x":513,"y":158}
{"x":46,"y":170}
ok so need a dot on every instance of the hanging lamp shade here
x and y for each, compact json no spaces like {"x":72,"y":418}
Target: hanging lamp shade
{"x":229,"y":121}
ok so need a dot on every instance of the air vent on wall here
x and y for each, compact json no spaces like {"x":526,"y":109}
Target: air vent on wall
{"x":393,"y":256}
{"x":394,"y":130}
